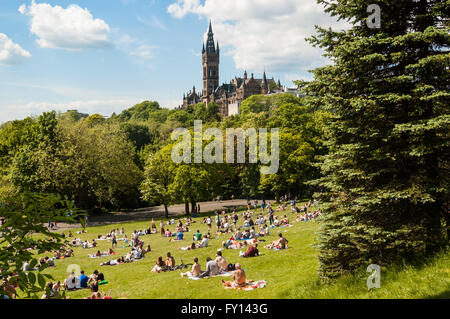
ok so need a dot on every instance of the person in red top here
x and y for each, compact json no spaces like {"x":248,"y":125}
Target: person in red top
{"x":252,"y":251}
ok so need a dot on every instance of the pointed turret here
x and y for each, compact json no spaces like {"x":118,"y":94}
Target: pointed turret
{"x":210,"y":46}
{"x":264,"y":87}
{"x":245,"y":75}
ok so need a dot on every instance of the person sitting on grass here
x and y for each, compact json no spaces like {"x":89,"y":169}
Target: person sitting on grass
{"x":195,"y":271}
{"x":252,"y":251}
{"x":276,"y":222}
{"x":49,"y":261}
{"x":50,"y":292}
{"x":212,"y":268}
{"x":280,"y":243}
{"x":160,"y":266}
{"x":198,"y":236}
{"x":239,"y":278}
{"x":179,"y":235}
{"x":221,"y":261}
{"x":93,"y":277}
{"x":83,"y":280}
{"x":204,"y":242}
{"x":170,"y":262}
{"x":148,"y":249}
{"x":72,"y":282}
{"x":69,"y":253}
{"x":285,"y":221}
{"x":57,"y":286}
{"x":168,"y":233}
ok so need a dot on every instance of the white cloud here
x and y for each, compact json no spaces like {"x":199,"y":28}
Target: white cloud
{"x":73,"y":28}
{"x":144,"y":52}
{"x":136,"y":47}
{"x":104,"y":107}
{"x":152,"y":22}
{"x":263,"y":33}
{"x":10,"y":52}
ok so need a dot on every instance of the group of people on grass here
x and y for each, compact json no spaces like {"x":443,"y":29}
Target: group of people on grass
{"x":225,"y":221}
{"x":73,"y":282}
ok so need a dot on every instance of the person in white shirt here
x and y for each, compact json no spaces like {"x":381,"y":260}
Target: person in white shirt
{"x":212,"y":268}
{"x":72,"y":282}
{"x":276,"y":222}
{"x":204,"y":242}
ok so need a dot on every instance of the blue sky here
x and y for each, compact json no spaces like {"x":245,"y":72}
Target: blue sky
{"x":102,"y":56}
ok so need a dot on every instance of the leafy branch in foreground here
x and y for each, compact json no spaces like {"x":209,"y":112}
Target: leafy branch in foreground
{"x":25,"y":234}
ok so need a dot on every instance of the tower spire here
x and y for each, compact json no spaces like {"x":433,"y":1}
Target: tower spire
{"x":210,"y":46}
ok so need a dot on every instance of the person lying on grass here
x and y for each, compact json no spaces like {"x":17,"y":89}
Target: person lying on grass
{"x":280,"y":243}
{"x":234,"y":244}
{"x":212,"y":268}
{"x":195,"y":271}
{"x":190,"y":247}
{"x":114,"y":262}
{"x":252,"y":251}
{"x":239,"y":278}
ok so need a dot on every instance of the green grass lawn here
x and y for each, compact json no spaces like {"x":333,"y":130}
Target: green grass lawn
{"x":291,"y":273}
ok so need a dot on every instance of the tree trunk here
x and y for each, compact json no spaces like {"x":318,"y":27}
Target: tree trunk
{"x":193,"y":206}
{"x":166,"y":210}
{"x":186,"y":208}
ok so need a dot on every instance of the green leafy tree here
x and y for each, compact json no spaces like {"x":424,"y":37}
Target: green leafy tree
{"x":26,"y":216}
{"x":386,"y":178}
{"x":158,"y":176}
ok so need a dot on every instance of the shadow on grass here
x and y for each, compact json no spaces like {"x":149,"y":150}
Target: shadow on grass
{"x":442,"y":295}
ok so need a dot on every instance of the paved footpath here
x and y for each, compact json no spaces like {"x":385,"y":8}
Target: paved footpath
{"x":155,"y":212}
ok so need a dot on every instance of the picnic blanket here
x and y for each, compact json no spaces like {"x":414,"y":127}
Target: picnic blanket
{"x":250,"y":285}
{"x":282,"y":226}
{"x":102,"y":255}
{"x":225,"y":274}
{"x":276,"y":249}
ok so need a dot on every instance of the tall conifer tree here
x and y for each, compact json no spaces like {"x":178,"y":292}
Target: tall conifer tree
{"x":386,"y":178}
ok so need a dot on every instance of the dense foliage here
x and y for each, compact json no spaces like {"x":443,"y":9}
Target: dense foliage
{"x":387,"y":173}
{"x":125,"y":161}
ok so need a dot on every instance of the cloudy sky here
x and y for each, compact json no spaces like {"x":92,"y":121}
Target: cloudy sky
{"x":102,"y":56}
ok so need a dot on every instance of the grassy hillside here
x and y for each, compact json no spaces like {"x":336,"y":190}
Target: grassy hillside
{"x":291,"y":273}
